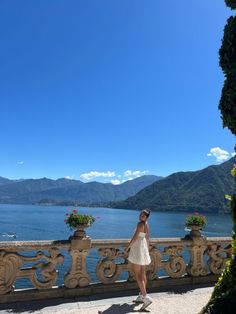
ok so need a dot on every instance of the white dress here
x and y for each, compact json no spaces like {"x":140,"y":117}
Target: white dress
{"x":139,"y":253}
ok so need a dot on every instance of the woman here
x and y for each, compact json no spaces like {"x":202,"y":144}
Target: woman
{"x":139,"y":256}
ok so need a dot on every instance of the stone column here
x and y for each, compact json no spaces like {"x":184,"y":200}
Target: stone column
{"x":197,"y":245}
{"x":79,"y":249}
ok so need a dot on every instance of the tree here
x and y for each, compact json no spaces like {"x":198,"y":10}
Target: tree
{"x":223,"y":299}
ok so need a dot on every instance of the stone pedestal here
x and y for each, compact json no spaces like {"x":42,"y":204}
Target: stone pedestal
{"x":79,"y":249}
{"x":197,"y":245}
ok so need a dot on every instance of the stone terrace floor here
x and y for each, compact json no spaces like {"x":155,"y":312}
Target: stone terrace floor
{"x":182,"y":300}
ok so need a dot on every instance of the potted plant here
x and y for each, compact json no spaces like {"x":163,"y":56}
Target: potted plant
{"x":79,"y":222}
{"x":195,"y":222}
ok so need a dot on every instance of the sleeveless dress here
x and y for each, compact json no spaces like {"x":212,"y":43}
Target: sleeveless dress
{"x":139,"y":253}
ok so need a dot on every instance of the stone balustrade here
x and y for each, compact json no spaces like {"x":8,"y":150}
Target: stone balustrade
{"x":174,"y":261}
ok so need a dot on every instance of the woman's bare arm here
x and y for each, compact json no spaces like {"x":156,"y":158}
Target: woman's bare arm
{"x":147,"y":233}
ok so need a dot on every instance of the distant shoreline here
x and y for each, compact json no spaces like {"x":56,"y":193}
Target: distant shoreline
{"x":190,"y":210}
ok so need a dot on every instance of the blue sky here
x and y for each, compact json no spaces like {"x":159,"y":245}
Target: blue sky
{"x":110,"y":87}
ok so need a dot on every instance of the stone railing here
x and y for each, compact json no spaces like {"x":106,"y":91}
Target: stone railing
{"x":63,"y":268}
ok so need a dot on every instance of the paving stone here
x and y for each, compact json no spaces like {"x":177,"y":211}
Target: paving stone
{"x":187,"y":302}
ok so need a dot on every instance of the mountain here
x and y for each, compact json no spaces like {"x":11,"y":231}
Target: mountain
{"x":202,"y":190}
{"x":4,"y":181}
{"x":35,"y":190}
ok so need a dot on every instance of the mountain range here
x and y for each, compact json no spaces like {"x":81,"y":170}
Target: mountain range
{"x":202,"y":190}
{"x":64,"y":191}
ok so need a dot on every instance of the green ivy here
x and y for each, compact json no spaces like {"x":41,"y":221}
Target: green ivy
{"x":223,"y":299}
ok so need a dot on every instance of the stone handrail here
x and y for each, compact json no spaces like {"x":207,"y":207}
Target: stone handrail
{"x":181,"y":261}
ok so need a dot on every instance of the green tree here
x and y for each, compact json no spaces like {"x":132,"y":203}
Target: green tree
{"x":231,"y":3}
{"x":223,"y":299}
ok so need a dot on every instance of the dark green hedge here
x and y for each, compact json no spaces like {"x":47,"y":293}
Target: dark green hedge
{"x":227,"y":51}
{"x":227,"y":54}
{"x":231,"y":4}
{"x":223,"y":299}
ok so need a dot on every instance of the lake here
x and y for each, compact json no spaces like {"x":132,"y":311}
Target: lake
{"x":32,"y":222}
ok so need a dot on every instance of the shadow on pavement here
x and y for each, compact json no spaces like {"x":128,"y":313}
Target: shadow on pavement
{"x":122,"y":309}
{"x":34,"y":306}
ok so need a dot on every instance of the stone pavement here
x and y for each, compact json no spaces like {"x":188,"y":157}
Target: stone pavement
{"x":188,"y":300}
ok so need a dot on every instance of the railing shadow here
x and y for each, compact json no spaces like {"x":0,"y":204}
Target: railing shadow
{"x":123,"y":309}
{"x":38,"y":305}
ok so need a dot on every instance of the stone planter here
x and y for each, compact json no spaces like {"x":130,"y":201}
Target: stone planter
{"x":80,"y":232}
{"x":195,"y":230}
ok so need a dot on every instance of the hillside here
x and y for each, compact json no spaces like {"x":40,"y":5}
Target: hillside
{"x":194,"y":190}
{"x":34,"y":190}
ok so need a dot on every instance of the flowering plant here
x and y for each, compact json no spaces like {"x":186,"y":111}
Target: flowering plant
{"x":196,"y":219}
{"x":74,"y":218}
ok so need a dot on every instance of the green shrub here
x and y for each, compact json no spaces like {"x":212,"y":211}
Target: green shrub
{"x":74,"y":218}
{"x":195,"y":219}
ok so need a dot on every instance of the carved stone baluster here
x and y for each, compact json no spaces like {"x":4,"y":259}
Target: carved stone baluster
{"x":48,"y":270}
{"x":9,"y":265}
{"x":175,"y":267}
{"x":107,"y":270}
{"x":217,"y":260}
{"x":197,"y":245}
{"x":152,"y":268}
{"x":77,"y":275}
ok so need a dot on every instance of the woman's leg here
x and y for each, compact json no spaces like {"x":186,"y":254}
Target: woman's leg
{"x":140,"y":278}
{"x":143,"y":272}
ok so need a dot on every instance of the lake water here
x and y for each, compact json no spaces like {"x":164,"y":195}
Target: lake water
{"x":32,"y":222}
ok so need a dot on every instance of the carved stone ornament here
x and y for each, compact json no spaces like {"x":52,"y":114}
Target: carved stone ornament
{"x":9,"y":264}
{"x":207,"y":256}
{"x":107,"y":270}
{"x":77,"y":275}
{"x":175,"y":266}
{"x":197,"y":248}
{"x":11,"y":269}
{"x":218,"y":255}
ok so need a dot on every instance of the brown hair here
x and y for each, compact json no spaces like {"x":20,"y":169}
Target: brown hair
{"x":146,"y":211}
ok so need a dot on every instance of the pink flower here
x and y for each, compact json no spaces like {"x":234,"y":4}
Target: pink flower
{"x":196,"y":213}
{"x":74,"y":211}
{"x":65,"y":220}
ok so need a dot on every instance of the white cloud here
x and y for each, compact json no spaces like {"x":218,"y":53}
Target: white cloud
{"x":127,"y":173}
{"x":20,"y":162}
{"x":116,"y":181}
{"x":94,"y":174}
{"x":219,"y":154}
{"x":233,"y":154}
{"x":69,"y":177}
{"x":135,"y":173}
